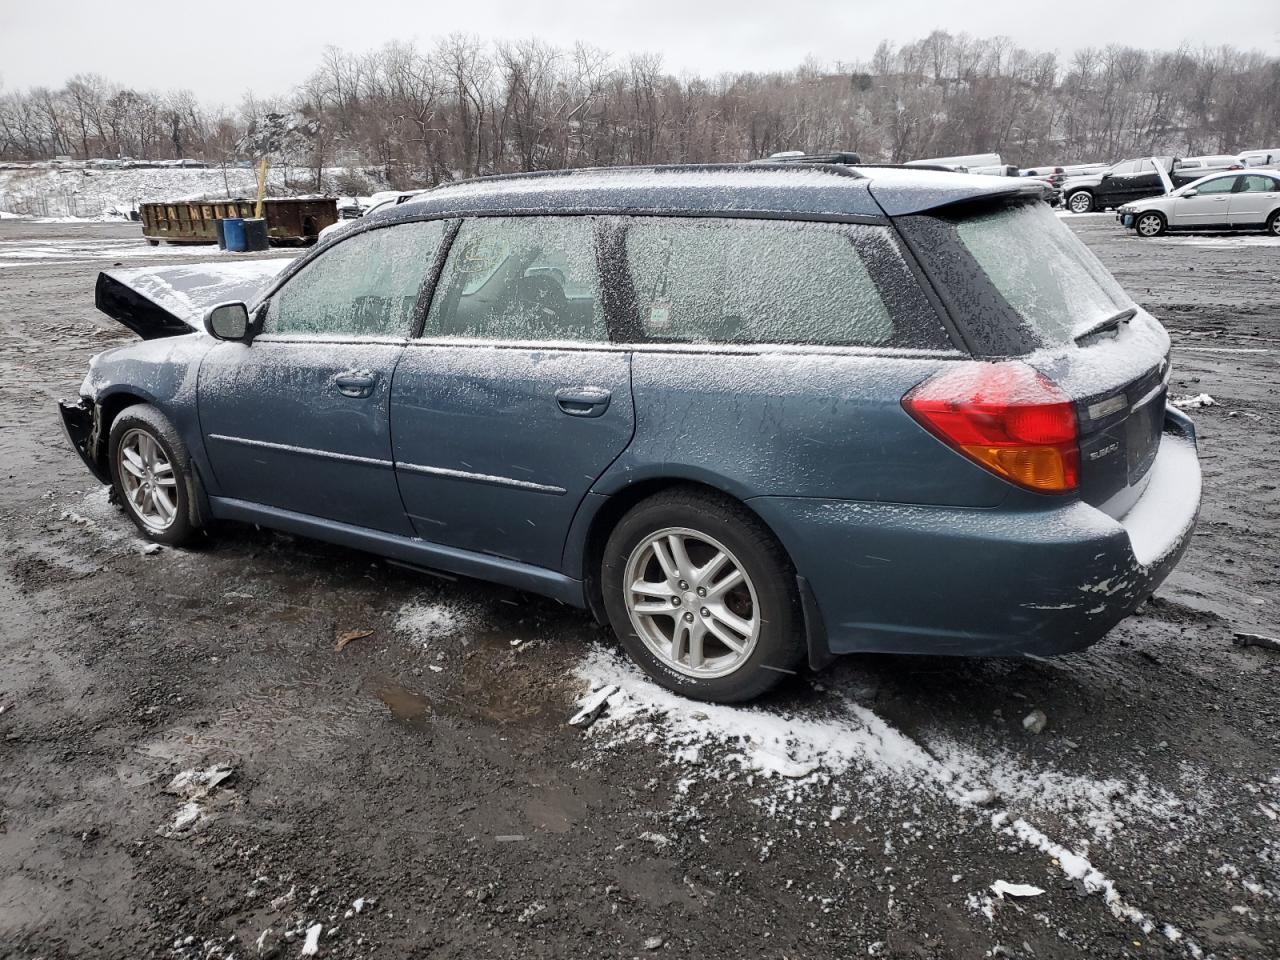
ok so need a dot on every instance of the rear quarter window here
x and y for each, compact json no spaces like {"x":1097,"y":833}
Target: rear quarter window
{"x":769,"y":282}
{"x":1014,"y":278}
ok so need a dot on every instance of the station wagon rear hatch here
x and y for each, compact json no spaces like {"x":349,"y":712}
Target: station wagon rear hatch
{"x":1018,"y":284}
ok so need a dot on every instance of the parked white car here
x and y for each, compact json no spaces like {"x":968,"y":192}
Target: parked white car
{"x":1223,"y":200}
{"x":379,"y":201}
{"x":1261,"y":158}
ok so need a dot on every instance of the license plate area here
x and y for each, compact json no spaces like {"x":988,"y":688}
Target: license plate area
{"x":1142,"y":436}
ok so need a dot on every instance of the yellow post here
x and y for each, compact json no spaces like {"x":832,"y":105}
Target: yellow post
{"x":262,"y":187}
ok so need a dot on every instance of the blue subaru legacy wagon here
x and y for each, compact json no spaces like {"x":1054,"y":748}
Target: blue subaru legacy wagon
{"x":748,"y":415}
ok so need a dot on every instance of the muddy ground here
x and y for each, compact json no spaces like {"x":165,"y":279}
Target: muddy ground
{"x":419,"y":794}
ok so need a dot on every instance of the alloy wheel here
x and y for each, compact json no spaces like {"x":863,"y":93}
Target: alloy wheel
{"x":692,"y":602}
{"x":1080,"y":202}
{"x":1149,"y":225}
{"x":147,"y":477}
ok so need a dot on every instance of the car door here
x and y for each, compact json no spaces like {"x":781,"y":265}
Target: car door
{"x":512,"y":402}
{"x":1256,"y":195}
{"x":1144,"y":182}
{"x":300,"y":418}
{"x":1208,"y":208}
{"x":1113,"y":189}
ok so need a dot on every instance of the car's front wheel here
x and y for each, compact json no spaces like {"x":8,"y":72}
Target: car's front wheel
{"x":702,"y":596}
{"x":151,"y":473}
{"x":1150,"y":224}
{"x":1080,"y":202}
{"x":1273,"y":224}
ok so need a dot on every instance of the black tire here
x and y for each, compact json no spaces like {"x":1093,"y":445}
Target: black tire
{"x":146,"y":419}
{"x":1155,"y":217}
{"x":778,"y":649}
{"x":1273,"y":224}
{"x":1081,"y":199}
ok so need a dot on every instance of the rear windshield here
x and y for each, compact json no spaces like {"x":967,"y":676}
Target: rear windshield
{"x":1052,"y":280}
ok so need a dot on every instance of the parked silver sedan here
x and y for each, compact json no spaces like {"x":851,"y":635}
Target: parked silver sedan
{"x":1221,"y":201}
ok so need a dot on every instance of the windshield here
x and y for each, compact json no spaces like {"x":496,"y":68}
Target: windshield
{"x":1051,"y":279}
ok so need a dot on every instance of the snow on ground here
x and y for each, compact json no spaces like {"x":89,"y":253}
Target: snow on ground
{"x":100,"y":517}
{"x":839,"y":749}
{"x":425,"y":623}
{"x":841,"y":744}
{"x":64,"y":251}
{"x":1221,"y":240}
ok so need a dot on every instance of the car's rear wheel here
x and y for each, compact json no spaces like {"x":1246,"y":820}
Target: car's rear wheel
{"x":1080,"y":202}
{"x":151,"y":473}
{"x":702,"y":596}
{"x":1273,"y":224}
{"x":1150,"y":224}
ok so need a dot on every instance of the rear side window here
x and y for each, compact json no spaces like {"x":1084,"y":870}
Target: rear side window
{"x":367,"y":285}
{"x":1259,"y":184}
{"x":745,"y":281}
{"x":1052,"y":280}
{"x":520,"y":278}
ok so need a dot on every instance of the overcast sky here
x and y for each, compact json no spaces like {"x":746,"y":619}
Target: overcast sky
{"x":221,"y":48}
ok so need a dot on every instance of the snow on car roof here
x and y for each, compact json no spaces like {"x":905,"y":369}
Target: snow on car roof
{"x":802,"y":190}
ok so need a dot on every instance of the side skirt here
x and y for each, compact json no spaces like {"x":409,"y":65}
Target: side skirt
{"x":521,"y":576}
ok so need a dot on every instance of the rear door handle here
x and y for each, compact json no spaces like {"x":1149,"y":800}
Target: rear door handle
{"x":583,"y":401}
{"x":356,"y":384}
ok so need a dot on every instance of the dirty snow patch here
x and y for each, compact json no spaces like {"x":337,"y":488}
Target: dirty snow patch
{"x":1194,"y":401}
{"x":839,"y":743}
{"x":427,"y":622}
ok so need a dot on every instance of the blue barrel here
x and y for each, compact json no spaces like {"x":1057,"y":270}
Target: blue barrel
{"x":220,"y":226}
{"x":255,"y":234}
{"x":233,"y":234}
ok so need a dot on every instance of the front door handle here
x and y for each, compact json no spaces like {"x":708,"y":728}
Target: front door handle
{"x":356,"y":384}
{"x":583,"y":401}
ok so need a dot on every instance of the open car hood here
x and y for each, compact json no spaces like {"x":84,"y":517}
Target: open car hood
{"x":158,"y":302}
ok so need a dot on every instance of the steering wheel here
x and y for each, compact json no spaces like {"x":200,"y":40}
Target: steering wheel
{"x":544,"y":299}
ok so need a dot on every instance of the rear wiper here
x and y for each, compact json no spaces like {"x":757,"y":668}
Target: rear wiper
{"x":1102,"y":326}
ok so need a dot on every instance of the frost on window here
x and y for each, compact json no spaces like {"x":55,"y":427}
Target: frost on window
{"x":367,"y":285}
{"x":1047,"y":275}
{"x":520,"y":278}
{"x":726,"y":281}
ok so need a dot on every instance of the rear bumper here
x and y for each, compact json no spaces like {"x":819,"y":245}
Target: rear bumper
{"x":898,"y":578}
{"x":80,"y":422}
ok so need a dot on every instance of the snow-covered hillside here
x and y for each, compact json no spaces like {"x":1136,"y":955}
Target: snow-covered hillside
{"x":95,"y":194}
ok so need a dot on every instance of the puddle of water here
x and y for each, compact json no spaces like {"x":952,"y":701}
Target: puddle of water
{"x":407,"y":706}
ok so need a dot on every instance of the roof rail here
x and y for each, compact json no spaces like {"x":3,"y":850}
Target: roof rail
{"x":835,"y":168}
{"x":909,"y":166}
{"x":847,"y":157}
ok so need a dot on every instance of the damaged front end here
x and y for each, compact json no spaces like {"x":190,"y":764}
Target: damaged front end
{"x":82,"y":421}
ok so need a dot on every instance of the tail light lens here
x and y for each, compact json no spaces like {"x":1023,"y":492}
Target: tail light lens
{"x":1005,"y":417}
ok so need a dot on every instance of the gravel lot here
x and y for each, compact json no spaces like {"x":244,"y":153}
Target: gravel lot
{"x":419,"y":792}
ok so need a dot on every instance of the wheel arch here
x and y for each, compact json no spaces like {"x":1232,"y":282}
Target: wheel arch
{"x":108,"y":408}
{"x":1093,"y":198}
{"x":595,"y":523}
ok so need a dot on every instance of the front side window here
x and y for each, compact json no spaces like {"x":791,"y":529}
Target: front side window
{"x":1220,"y":185}
{"x":367,"y":285}
{"x":1146,"y":166}
{"x":520,"y":278}
{"x":1124,"y":169}
{"x":744,"y":281}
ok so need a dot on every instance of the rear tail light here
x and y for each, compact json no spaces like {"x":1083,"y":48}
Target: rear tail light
{"x":1005,"y":417}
